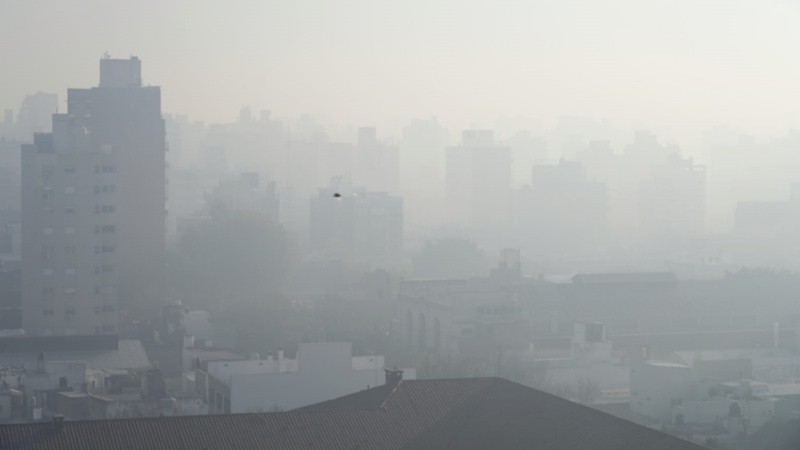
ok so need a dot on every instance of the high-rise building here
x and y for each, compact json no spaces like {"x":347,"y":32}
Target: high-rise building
{"x":356,"y":223}
{"x":672,"y":203}
{"x":562,"y":211}
{"x":478,"y":181}
{"x":93,"y":206}
{"x":377,"y":163}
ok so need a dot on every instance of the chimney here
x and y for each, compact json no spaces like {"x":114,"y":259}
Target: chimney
{"x":393,"y":376}
{"x":58,"y":422}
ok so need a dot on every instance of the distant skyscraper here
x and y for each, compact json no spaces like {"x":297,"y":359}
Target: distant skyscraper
{"x":478,"y":181}
{"x":358,"y":223}
{"x":561,"y":211}
{"x":93,"y":206}
{"x":377,"y":163}
{"x":673,"y":202}
{"x":421,"y":168}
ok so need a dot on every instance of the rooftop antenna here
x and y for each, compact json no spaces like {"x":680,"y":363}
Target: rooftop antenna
{"x":106,"y":55}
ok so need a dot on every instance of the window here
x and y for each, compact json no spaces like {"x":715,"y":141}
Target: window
{"x":69,"y":271}
{"x":69,"y":230}
{"x":97,"y":310}
{"x":108,"y":209}
{"x":69,"y":170}
{"x":97,"y":290}
{"x":47,"y":252}
{"x":108,"y":308}
{"x":69,"y":312}
{"x":47,"y":272}
{"x":108,"y":328}
{"x":105,"y":229}
{"x":69,"y":190}
{"x":48,"y":312}
{"x":48,"y":209}
{"x":69,"y":210}
{"x":109,"y":268}
{"x":69,"y":250}
{"x":48,"y":230}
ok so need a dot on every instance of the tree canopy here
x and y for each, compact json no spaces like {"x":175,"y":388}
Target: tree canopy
{"x":231,"y":257}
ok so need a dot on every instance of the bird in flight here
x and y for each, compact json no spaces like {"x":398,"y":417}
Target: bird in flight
{"x":337,"y":195}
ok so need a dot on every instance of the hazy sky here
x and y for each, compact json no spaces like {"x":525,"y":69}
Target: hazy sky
{"x":674,"y":65}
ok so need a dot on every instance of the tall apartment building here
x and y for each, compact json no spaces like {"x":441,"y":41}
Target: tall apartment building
{"x":359,"y":223}
{"x":478,"y":182}
{"x":673,"y":201}
{"x":377,"y":165}
{"x":93,"y":206}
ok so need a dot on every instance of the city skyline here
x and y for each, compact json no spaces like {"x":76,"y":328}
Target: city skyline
{"x":675,"y":68}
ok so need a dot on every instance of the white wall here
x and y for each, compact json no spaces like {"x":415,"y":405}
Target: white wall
{"x":324,"y":371}
{"x":654,"y":386}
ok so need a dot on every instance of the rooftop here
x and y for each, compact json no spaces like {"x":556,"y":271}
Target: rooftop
{"x":463,"y":414}
{"x":129,"y":354}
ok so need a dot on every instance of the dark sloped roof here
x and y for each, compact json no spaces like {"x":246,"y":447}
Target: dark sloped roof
{"x":776,"y":435}
{"x":458,"y":414}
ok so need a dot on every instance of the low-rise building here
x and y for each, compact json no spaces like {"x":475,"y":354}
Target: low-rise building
{"x":320,"y":371}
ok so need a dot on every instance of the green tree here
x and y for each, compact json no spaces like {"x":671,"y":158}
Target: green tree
{"x":233,"y":257}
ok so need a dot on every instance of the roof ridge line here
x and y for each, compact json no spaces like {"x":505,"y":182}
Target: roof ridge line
{"x":386,"y":400}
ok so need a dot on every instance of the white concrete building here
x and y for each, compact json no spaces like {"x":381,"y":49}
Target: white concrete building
{"x":321,"y":371}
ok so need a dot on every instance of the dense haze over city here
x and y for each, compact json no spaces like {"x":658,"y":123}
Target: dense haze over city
{"x":466,"y":209}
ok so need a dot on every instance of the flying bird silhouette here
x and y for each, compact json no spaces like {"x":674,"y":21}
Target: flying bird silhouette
{"x":337,"y":195}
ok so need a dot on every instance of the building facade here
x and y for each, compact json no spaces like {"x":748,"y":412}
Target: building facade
{"x":478,"y":182}
{"x":357,"y":224}
{"x":93,"y":205}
